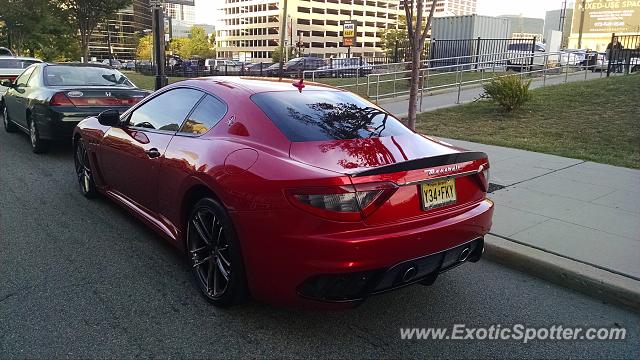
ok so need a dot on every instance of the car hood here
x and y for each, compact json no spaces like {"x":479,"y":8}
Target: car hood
{"x":352,"y":156}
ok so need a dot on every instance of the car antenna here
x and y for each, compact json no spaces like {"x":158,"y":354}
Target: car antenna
{"x":299,"y":84}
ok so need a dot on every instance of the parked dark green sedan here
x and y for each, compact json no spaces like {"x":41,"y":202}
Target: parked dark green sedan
{"x":48,"y":100}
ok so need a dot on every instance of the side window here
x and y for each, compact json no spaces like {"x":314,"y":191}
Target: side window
{"x":24,"y":78}
{"x":34,"y":79}
{"x":205,"y":116}
{"x":165,"y":111}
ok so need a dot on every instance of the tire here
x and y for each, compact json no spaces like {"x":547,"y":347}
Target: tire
{"x":38,"y":145}
{"x":9,"y":126}
{"x":214,"y":254}
{"x":83,"y":170}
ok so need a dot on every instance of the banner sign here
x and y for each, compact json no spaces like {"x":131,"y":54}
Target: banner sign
{"x":348,"y":33}
{"x":608,"y":16}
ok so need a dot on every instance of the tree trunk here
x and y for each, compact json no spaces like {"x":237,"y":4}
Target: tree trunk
{"x":414,"y":87}
{"x":84,"y":44}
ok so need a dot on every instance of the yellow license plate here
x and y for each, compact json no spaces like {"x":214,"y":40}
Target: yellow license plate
{"x":438,"y":193}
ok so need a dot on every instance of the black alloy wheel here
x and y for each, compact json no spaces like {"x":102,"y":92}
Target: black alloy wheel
{"x":214,"y":254}
{"x":83,"y":170}
{"x":38,"y":145}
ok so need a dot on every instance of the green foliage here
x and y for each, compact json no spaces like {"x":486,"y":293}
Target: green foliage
{"x":37,"y":28}
{"x":145,"y":48}
{"x":180,"y":47}
{"x":510,"y":92}
{"x":277,"y":53}
{"x":197,"y":44}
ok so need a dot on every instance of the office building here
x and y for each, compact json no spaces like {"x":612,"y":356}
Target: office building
{"x":554,"y":20}
{"x":122,"y":32}
{"x":521,"y":27}
{"x":249,"y":29}
{"x":183,"y":11}
{"x":181,"y":29}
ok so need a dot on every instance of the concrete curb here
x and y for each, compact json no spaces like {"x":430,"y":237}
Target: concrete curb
{"x":585,"y":278}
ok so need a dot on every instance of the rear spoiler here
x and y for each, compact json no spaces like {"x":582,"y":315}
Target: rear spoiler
{"x":424,"y":163}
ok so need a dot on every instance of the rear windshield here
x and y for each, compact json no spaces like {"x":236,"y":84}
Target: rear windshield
{"x":326,"y":115}
{"x":16,"y":63}
{"x":62,"y":75}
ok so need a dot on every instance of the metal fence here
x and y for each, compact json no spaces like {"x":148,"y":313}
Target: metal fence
{"x":539,"y":65}
{"x":623,"y":54}
{"x":337,"y":67}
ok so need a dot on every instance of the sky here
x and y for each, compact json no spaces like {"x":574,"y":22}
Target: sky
{"x":206,"y":9}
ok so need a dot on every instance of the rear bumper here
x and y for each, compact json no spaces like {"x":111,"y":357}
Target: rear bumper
{"x":58,"y":123}
{"x":283,"y":256}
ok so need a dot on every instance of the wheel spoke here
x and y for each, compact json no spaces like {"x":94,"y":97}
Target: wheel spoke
{"x":221,"y":269}
{"x":200,"y":262}
{"x":209,"y":276}
{"x":215,"y":278}
{"x":198,"y":249}
{"x":219,"y":236}
{"x":202,"y":232}
{"x":86,"y":181}
{"x":224,"y":260}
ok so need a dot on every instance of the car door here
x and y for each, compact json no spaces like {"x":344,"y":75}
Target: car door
{"x":16,"y":98}
{"x":131,"y":154}
{"x":184,"y":153}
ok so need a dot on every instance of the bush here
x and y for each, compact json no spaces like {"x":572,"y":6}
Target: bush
{"x":510,"y":92}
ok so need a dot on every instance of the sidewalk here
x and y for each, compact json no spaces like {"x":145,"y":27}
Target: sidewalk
{"x":580,"y":210}
{"x":398,"y":106}
{"x":570,"y":221}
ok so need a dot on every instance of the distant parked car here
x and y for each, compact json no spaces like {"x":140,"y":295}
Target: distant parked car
{"x":295,"y":66}
{"x":129,"y":65}
{"x":113,"y":63}
{"x":524,"y":56}
{"x":5,"y":52}
{"x":571,"y":57}
{"x":10,"y":68}
{"x":257,"y":68}
{"x":600,"y":62}
{"x":221,"y":65}
{"x":344,"y":68}
{"x":48,"y":100}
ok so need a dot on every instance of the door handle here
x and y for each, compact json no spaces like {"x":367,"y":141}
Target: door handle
{"x":153,"y":153}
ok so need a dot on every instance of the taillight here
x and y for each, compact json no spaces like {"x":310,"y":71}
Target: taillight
{"x":7,"y":77}
{"x":483,"y":174}
{"x":342,"y":203}
{"x":60,"y":99}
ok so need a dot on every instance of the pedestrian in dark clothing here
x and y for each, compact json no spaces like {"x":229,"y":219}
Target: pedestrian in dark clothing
{"x":614,"y":54}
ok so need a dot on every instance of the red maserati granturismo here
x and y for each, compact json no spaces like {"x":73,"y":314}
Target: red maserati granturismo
{"x":287,"y":192}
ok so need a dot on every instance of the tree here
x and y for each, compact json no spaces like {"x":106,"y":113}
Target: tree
{"x":87,"y":14}
{"x":417,"y":34}
{"x":199,"y":43}
{"x":180,"y":47}
{"x":392,"y":39}
{"x":277,"y":53}
{"x":38,"y":28}
{"x":145,"y":47}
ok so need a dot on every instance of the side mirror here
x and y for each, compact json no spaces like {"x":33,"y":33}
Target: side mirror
{"x":6,"y":83}
{"x":109,"y":118}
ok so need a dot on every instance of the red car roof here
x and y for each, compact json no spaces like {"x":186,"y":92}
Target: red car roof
{"x":255,"y":85}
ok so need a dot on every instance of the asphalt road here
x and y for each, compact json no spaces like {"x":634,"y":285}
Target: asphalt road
{"x":84,"y":279}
